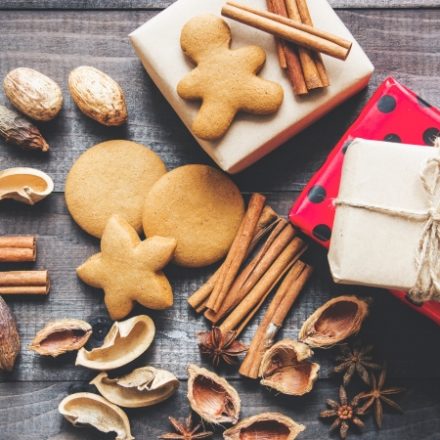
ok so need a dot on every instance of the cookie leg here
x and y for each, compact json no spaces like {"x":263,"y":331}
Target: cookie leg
{"x":213,"y":120}
{"x":118,"y":305}
{"x":261,"y":97}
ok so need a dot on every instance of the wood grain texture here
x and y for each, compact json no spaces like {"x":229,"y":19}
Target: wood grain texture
{"x":400,"y":43}
{"x":160,"y":4}
{"x":403,"y":43}
{"x":38,"y":417}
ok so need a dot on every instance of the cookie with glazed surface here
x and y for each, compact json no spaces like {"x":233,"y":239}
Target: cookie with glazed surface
{"x":200,"y":207}
{"x":224,"y":80}
{"x":111,"y":178}
{"x":130,"y":270}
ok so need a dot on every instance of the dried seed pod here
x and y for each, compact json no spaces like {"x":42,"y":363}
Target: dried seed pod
{"x":98,"y":96}
{"x":90,"y":409}
{"x":9,"y":338}
{"x":16,"y":130}
{"x":285,"y":368}
{"x":334,"y":321}
{"x":125,"y":341}
{"x":34,"y":94}
{"x":26,"y":185}
{"x":270,"y":426}
{"x":211,"y":396}
{"x":61,"y":336}
{"x":144,"y":386}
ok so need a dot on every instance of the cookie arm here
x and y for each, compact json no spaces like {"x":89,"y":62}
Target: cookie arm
{"x":213,"y":119}
{"x":156,"y":252}
{"x":253,"y":56}
{"x":189,"y":86}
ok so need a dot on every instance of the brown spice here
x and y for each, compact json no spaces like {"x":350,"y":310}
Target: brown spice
{"x":9,"y":338}
{"x":358,"y":360}
{"x":237,"y":253}
{"x":344,"y":412}
{"x":378,"y":395}
{"x":220,"y":347}
{"x":16,"y":130}
{"x":17,"y":249}
{"x":26,"y":282}
{"x":186,"y":430}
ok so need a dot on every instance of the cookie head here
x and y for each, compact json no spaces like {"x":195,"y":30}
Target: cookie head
{"x":202,"y":34}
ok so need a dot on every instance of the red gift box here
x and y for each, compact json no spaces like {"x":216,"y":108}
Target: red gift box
{"x":395,"y":114}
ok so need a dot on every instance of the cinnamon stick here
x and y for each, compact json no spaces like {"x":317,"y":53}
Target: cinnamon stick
{"x":237,"y":253}
{"x":290,"y":33}
{"x":306,"y":18}
{"x":28,"y":282}
{"x":282,"y":302}
{"x":278,"y":239}
{"x":17,"y":249}
{"x":294,"y":70}
{"x":267,"y":220}
{"x":264,"y":286}
{"x":309,"y":68}
{"x":280,"y":45}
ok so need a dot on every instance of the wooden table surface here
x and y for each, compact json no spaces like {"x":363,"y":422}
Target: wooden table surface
{"x":401,"y":37}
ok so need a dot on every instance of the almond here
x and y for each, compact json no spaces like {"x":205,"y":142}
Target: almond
{"x":9,"y":338}
{"x":98,"y":96}
{"x":34,"y":94}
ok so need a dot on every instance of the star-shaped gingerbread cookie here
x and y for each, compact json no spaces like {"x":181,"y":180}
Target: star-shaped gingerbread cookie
{"x":130,"y":270}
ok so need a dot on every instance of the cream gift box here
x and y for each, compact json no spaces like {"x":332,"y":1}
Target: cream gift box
{"x":386,"y":212}
{"x":157,"y":44}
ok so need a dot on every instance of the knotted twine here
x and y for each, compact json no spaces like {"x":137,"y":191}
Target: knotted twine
{"x":427,"y":258}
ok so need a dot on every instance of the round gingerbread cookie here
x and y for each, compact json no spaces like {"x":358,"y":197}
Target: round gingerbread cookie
{"x":200,"y":207}
{"x":111,"y":178}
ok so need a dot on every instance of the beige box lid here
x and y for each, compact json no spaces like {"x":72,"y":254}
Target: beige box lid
{"x":157,"y":43}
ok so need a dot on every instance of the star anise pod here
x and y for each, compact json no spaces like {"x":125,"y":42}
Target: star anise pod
{"x":379,"y":395}
{"x":185,"y":430}
{"x":358,"y":360}
{"x":345,"y":413}
{"x":220,"y":346}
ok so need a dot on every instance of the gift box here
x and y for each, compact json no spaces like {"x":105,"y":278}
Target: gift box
{"x":394,"y":113}
{"x":385,"y":231}
{"x":157,"y":43}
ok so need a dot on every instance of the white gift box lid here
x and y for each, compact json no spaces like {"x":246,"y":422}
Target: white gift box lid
{"x":157,"y":43}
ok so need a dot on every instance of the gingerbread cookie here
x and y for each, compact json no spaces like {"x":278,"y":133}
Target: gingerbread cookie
{"x":129,"y":270}
{"x":111,"y":178}
{"x":200,"y":207}
{"x":224,"y":80}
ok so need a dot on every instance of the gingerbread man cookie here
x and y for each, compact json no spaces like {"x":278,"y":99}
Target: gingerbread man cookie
{"x":129,"y":269}
{"x":224,"y":80}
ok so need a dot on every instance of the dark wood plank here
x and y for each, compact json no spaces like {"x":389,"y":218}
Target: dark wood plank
{"x":159,"y":4}
{"x":63,"y":40}
{"x":403,"y":338}
{"x":31,"y":409}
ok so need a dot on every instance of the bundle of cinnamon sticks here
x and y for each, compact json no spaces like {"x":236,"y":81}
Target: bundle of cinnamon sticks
{"x":299,"y":44}
{"x":19,"y":249}
{"x":237,"y":290}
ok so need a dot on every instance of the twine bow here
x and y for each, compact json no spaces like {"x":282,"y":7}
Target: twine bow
{"x":427,"y":259}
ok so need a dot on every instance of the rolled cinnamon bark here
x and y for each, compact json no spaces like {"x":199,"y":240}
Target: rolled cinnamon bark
{"x":17,"y":249}
{"x":28,"y":282}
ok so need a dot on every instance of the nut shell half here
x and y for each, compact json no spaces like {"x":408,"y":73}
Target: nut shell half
{"x":212,"y":397}
{"x":34,"y":94}
{"x":270,"y":426}
{"x":26,"y":185}
{"x":93,"y":410}
{"x":145,"y":386}
{"x":336,"y":320}
{"x":61,"y":336}
{"x":125,"y":341}
{"x":285,"y":368}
